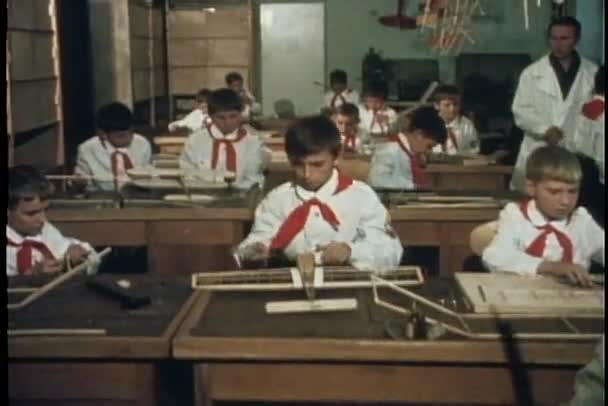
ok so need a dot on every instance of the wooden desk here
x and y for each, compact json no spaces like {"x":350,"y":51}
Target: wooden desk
{"x":240,"y":353}
{"x":474,"y":177}
{"x":126,"y":366}
{"x":180,"y":240}
{"x":446,"y":228}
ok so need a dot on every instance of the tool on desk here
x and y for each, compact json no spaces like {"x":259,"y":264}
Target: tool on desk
{"x":92,"y":261}
{"x":118,"y":291}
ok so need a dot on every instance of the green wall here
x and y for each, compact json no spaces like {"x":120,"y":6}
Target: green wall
{"x":353,"y":27}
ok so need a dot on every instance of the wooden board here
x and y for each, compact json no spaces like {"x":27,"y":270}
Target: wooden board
{"x":511,"y":293}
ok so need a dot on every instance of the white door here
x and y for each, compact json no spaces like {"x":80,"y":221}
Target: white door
{"x":293,"y":56}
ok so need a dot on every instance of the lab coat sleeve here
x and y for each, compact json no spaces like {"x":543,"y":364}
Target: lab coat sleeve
{"x":504,"y":254}
{"x":376,"y":246}
{"x":526,"y":111}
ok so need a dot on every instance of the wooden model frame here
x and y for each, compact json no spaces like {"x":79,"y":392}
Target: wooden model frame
{"x":279,"y":279}
{"x":37,"y":293}
{"x":458,"y":323}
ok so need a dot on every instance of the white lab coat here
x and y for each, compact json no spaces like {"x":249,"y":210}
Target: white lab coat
{"x":192,"y":121}
{"x":50,"y":236}
{"x":466,"y":137}
{"x":364,"y":226}
{"x":589,"y":136}
{"x":507,"y":251}
{"x":391,"y":167}
{"x":349,"y":95}
{"x":95,"y":159}
{"x":251,"y":155}
{"x":372,"y":126}
{"x":539,"y":105}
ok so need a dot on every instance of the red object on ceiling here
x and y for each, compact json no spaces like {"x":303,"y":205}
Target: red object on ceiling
{"x":401,"y":21}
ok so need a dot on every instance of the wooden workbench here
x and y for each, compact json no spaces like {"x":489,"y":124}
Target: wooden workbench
{"x":241,"y":353}
{"x":474,"y":177}
{"x":128,"y":365}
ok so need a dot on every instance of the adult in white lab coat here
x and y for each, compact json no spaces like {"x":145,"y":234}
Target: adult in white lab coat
{"x":551,"y":93}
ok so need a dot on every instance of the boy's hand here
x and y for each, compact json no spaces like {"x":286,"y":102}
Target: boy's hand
{"x":78,"y":183}
{"x":257,"y":251}
{"x":174,"y":127}
{"x":47,"y":266}
{"x":574,"y":272}
{"x":335,"y":253}
{"x":382,"y":118}
{"x":76,"y":254}
{"x":554,"y":135}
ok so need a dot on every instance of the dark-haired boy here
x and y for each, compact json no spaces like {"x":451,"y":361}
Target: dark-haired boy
{"x":109,"y":155}
{"x":376,"y":117}
{"x":340,"y":220}
{"x":340,"y":93}
{"x":195,"y":119}
{"x":398,"y":162}
{"x":224,"y":145}
{"x":34,"y":245}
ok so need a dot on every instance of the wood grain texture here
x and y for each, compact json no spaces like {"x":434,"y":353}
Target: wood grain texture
{"x":29,"y":15}
{"x":31,"y":55}
{"x":224,"y":23}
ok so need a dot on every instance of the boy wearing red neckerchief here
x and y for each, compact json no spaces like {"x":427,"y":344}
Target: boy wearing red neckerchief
{"x":323,"y":211}
{"x":548,"y":234}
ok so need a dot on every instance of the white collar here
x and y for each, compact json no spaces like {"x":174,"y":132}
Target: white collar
{"x":539,"y":220}
{"x":454,"y":122}
{"x":111,"y":148}
{"x":215,"y":132}
{"x":324,"y":192}
{"x":14,"y":236}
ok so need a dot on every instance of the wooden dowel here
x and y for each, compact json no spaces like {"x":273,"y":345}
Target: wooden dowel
{"x":56,"y":332}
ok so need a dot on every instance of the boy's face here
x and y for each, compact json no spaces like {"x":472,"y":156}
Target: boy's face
{"x":338,"y":87}
{"x":346,"y":124}
{"x":227,"y":121}
{"x":236,"y":86}
{"x":448,"y":108}
{"x":420,"y":143}
{"x":28,"y":217}
{"x":374,"y":103}
{"x":202,"y":105}
{"x":120,"y":139}
{"x":314,"y":171}
{"x":555,"y":199}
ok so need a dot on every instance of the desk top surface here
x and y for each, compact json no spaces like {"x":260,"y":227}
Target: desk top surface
{"x":143,"y":332}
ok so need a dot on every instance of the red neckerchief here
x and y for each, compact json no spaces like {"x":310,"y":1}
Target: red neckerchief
{"x":594,"y":109}
{"x":383,"y":129}
{"x":452,"y":138}
{"x":417,"y":168}
{"x":335,"y":99}
{"x":230,"y":150}
{"x":295,"y":222}
{"x":24,"y":255}
{"x":537,"y":247}
{"x":126,"y":159}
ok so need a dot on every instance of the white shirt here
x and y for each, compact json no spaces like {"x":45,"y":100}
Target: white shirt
{"x":95,"y":159}
{"x":539,"y":105}
{"x":373,"y":126}
{"x":251,"y":155}
{"x":589,"y":136}
{"x":465,"y":135}
{"x":507,"y":251}
{"x":192,"y":121}
{"x":391,"y":167}
{"x":364,"y":226}
{"x":348,"y":96}
{"x":50,"y":236}
{"x":248,"y":107}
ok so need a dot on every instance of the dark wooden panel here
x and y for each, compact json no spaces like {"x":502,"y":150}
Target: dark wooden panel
{"x":194,"y":233}
{"x":418,"y":233}
{"x":118,"y":233}
{"x":29,"y":14}
{"x":463,"y":385}
{"x":188,"y":259}
{"x":229,"y":22}
{"x":31,"y":55}
{"x":33,"y":104}
{"x":42,"y":150}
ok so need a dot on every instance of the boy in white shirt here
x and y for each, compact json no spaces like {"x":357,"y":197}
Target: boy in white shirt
{"x":316,"y":212}
{"x":109,"y":155}
{"x":340,"y":93}
{"x":195,"y":119}
{"x":376,"y":117}
{"x":346,"y":118}
{"x":34,"y":245}
{"x":462,"y":135}
{"x":548,"y":234}
{"x":235,"y":82}
{"x":224,"y":144}
{"x":398,"y":162}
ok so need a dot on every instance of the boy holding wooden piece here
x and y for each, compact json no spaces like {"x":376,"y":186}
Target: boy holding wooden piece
{"x":548,"y":234}
{"x":340,"y":220}
{"x":34,"y":245}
